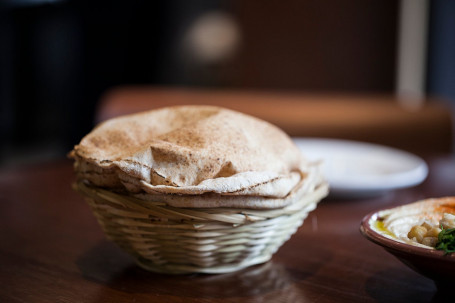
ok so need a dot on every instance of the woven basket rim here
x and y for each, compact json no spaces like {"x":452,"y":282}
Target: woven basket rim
{"x":221,"y":214}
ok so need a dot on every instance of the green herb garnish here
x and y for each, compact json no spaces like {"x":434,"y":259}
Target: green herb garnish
{"x":446,"y":240}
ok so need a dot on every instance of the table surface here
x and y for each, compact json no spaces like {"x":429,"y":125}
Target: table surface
{"x":52,"y":250}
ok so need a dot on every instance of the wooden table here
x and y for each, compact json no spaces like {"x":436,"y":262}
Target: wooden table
{"x":52,"y":250}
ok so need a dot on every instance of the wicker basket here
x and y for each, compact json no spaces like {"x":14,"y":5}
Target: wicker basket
{"x":187,"y":240}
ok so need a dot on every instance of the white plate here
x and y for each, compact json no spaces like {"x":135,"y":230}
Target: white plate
{"x":363,"y":169}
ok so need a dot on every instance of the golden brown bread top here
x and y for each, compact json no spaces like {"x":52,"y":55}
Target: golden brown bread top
{"x":191,"y":150}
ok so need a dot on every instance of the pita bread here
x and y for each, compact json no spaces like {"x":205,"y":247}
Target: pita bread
{"x":179,"y":152}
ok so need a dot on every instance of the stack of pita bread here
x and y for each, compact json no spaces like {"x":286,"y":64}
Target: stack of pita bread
{"x":196,"y":188}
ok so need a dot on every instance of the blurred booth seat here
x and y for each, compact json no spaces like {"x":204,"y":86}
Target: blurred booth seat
{"x":369,"y":118}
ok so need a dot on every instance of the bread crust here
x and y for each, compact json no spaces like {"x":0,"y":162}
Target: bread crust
{"x":178,"y":153}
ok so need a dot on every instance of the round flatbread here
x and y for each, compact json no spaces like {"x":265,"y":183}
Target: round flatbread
{"x":193,"y":150}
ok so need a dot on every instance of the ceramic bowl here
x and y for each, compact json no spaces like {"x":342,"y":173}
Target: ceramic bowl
{"x":389,"y":227}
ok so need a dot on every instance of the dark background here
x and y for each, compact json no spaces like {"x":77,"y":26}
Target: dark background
{"x":57,"y":58}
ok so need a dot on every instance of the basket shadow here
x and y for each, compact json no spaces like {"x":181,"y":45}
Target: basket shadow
{"x":107,"y":265}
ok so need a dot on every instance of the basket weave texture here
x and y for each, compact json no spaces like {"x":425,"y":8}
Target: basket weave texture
{"x":187,"y":240}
